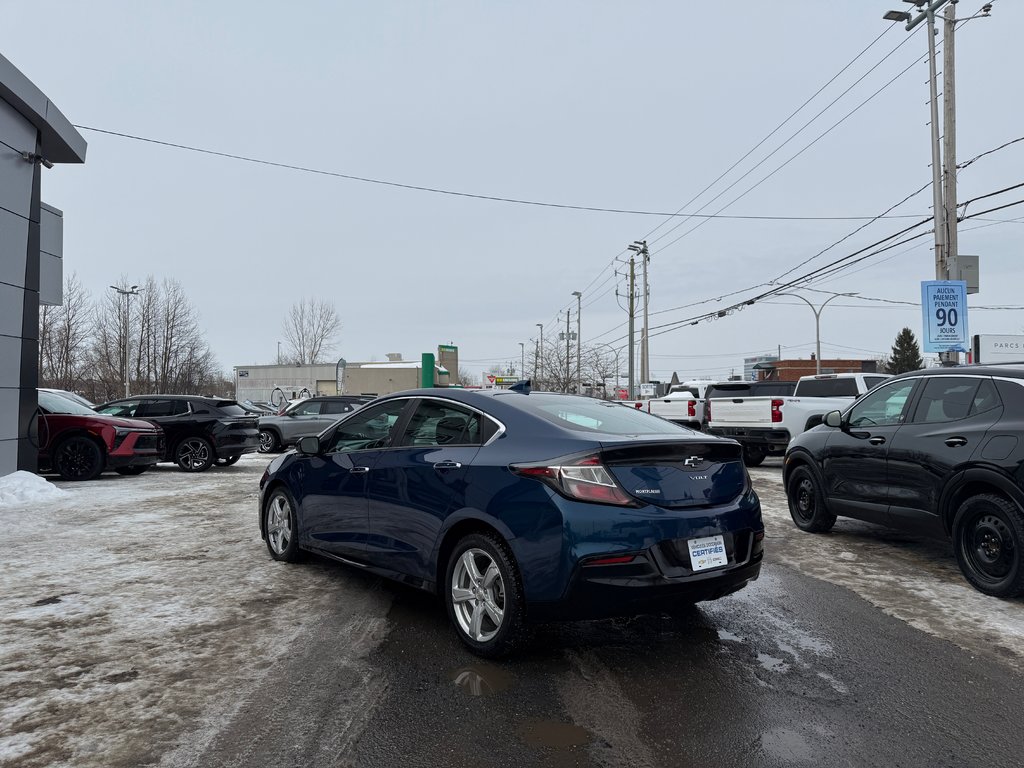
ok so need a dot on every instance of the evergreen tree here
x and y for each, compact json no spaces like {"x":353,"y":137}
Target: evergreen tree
{"x":906,"y":354}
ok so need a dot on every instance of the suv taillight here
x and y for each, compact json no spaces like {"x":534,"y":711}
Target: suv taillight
{"x":776,"y":411}
{"x":691,"y":408}
{"x":580,"y":479}
{"x":707,"y":409}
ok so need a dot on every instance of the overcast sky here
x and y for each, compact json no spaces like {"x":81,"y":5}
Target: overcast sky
{"x":636,"y":105}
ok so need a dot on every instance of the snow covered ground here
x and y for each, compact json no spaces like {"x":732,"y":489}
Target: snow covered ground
{"x":134,"y":607}
{"x":138,"y":612}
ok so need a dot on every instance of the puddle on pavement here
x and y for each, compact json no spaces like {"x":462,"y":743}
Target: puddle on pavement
{"x":771,"y":663}
{"x":788,"y":745}
{"x":554,"y":734}
{"x":481,"y":679}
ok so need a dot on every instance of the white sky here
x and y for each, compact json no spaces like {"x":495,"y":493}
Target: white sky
{"x":624,"y":105}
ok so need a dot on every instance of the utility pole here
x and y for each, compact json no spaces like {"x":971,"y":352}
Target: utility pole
{"x":540,"y":357}
{"x":939,"y":209}
{"x":949,"y":139}
{"x":579,"y":342}
{"x":567,"y":340}
{"x":522,"y":360}
{"x":645,"y":360}
{"x":632,"y":331}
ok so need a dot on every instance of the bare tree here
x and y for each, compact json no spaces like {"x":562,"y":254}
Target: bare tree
{"x":597,"y":366}
{"x":64,"y":334}
{"x":309,"y":330}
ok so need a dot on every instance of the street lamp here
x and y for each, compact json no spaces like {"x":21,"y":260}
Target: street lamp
{"x":540,"y":357}
{"x":817,"y":321}
{"x":579,"y":343}
{"x":127,"y":293}
{"x":522,"y":360}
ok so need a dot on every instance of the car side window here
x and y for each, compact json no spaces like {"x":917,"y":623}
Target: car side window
{"x":438,"y":423}
{"x":336,"y":406}
{"x":150,"y":408}
{"x":986,"y":398}
{"x":945,"y":398}
{"x":368,"y":428}
{"x":308,"y":408}
{"x":126,"y":408}
{"x":883,"y":406}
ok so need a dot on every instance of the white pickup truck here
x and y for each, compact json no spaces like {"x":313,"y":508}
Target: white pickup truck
{"x":765,"y":425}
{"x":684,"y":404}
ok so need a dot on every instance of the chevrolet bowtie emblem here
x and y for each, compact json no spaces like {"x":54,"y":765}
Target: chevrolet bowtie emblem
{"x":693,"y":461}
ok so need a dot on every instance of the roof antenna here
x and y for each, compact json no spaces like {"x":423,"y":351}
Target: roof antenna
{"x":523,"y":385}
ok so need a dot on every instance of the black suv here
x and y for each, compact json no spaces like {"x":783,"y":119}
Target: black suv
{"x":938,"y":452}
{"x":199,"y":431}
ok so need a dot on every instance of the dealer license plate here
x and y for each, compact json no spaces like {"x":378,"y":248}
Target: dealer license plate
{"x":707,"y":552}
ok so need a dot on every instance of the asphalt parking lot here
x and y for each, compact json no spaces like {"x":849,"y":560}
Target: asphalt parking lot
{"x":144,"y":624}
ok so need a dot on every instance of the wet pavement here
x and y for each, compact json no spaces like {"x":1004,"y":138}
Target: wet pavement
{"x":805,"y":667}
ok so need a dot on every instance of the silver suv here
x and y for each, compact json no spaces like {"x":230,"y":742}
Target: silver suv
{"x":304,"y":418}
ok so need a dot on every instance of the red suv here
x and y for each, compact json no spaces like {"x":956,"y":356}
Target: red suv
{"x":78,"y":444}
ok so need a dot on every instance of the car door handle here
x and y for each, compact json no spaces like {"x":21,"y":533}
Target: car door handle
{"x":359,"y":470}
{"x":878,"y":440}
{"x":443,"y":465}
{"x":956,"y":442}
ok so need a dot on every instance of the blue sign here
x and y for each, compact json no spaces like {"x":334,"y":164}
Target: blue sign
{"x":944,"y":303}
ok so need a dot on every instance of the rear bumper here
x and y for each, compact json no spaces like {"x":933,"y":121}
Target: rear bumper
{"x":769,"y":438}
{"x":235,"y":445}
{"x":659,"y":579}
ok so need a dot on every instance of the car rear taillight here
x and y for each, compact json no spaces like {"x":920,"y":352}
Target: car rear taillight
{"x":776,"y":411}
{"x":707,"y":409}
{"x":582,"y":479}
{"x":691,"y":408}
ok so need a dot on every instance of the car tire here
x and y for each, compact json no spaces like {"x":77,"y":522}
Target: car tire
{"x":78,"y":458}
{"x":806,"y":502}
{"x":753,"y":457}
{"x":281,"y":526}
{"x":228,"y":461}
{"x":194,"y":454}
{"x":268,"y":441}
{"x":988,"y":541}
{"x":132,"y":470}
{"x":483,"y":593}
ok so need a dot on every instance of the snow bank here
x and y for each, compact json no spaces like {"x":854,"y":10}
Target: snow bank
{"x":24,"y":488}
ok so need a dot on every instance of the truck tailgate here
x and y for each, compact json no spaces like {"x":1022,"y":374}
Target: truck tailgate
{"x":741,"y":411}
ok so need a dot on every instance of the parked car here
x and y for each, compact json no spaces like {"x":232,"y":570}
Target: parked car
{"x":305,"y":417}
{"x":199,"y":430}
{"x":512,"y":504}
{"x":684,"y":404}
{"x":765,"y":422}
{"x":78,"y":443}
{"x":937,"y":452}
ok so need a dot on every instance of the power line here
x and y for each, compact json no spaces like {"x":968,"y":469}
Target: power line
{"x":455,"y":193}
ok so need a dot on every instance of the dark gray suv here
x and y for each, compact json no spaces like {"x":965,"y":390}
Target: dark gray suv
{"x":305,"y":418}
{"x":938,"y":452}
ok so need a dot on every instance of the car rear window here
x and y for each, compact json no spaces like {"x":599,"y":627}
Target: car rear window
{"x":827,"y":388}
{"x":230,"y":408}
{"x":582,"y":414}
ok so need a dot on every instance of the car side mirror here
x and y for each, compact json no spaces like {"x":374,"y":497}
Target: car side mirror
{"x":308,"y":446}
{"x":833,"y":419}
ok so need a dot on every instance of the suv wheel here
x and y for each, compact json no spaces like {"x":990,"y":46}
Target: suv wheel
{"x":484,"y":596}
{"x":78,"y":458}
{"x":806,"y":503}
{"x":988,"y":540}
{"x":228,"y":461}
{"x":268,"y":441}
{"x":194,"y":454}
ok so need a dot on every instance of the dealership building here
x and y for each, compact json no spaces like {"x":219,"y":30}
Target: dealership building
{"x":34,"y":135}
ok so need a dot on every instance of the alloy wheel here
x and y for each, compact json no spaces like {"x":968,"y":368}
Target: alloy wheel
{"x":194,"y":453}
{"x":76,"y":459}
{"x":267,"y":442}
{"x":478,"y":595}
{"x":279,"y":524}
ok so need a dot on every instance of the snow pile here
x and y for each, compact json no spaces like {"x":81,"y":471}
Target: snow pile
{"x":24,"y":487}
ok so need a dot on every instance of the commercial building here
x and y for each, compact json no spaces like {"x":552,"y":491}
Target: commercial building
{"x":791,"y":370}
{"x":272,"y":382}
{"x":34,"y":135}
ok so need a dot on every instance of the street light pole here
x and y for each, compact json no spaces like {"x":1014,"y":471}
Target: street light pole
{"x":579,"y":342}
{"x":127,"y":293}
{"x":817,"y":322}
{"x":522,"y":360}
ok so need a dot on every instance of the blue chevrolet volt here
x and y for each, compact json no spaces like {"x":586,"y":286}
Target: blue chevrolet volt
{"x":517,"y":506}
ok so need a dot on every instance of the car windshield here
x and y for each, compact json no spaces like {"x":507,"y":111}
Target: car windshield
{"x":583,"y":414}
{"x":51,"y":402}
